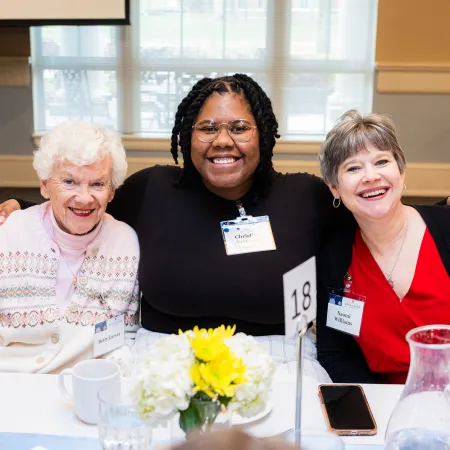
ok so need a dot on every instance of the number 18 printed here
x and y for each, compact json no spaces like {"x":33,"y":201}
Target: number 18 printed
{"x":300,"y":295}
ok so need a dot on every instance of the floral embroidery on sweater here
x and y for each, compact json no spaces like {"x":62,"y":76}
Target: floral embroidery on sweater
{"x":31,"y":318}
{"x":17,"y":263}
{"x":88,"y":317}
{"x":74,"y":316}
{"x":120,"y":267}
{"x":27,"y":291}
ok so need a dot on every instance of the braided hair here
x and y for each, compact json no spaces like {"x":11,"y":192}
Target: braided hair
{"x":261,"y":108}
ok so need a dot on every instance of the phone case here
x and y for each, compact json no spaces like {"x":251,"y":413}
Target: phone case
{"x":348,"y":432}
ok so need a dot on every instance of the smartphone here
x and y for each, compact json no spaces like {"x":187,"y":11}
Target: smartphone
{"x":346,"y":410}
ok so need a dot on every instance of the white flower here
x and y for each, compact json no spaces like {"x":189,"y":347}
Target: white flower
{"x":164,"y":385}
{"x":251,"y":397}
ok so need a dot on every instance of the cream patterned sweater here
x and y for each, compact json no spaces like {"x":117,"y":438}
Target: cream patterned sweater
{"x":34,"y":335}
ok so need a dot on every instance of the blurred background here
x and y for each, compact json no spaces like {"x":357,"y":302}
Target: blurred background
{"x":315,"y":59}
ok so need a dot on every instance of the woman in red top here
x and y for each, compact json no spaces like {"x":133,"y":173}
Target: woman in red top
{"x":395,"y":266}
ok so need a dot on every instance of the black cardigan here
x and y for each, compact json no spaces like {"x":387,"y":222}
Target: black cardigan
{"x":339,"y":353}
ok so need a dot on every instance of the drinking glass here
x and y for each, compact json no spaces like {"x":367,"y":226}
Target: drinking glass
{"x":119,"y":424}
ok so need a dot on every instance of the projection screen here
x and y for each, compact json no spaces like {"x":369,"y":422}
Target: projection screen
{"x":64,"y":12}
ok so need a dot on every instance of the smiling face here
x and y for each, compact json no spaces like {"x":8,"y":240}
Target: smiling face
{"x":226,"y":167}
{"x":370,"y":183}
{"x":79,"y":195}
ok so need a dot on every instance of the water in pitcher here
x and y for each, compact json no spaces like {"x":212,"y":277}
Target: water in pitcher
{"x":419,"y":439}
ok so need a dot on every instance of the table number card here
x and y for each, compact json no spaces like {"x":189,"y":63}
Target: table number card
{"x":300,"y":295}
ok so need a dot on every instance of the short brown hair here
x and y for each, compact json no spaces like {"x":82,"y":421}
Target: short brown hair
{"x":232,"y":440}
{"x":353,"y":133}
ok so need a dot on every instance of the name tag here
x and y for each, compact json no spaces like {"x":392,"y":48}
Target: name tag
{"x":108,"y":335}
{"x":345,"y":313}
{"x":247,"y":235}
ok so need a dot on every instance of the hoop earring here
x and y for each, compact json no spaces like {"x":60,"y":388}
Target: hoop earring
{"x":338,"y":203}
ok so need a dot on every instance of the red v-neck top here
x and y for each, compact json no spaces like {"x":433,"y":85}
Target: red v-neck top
{"x":386,"y":319}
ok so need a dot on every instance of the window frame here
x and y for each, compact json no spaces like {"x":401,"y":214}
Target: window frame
{"x":128,"y":67}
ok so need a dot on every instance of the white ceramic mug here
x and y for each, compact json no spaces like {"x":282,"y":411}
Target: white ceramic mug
{"x":88,"y":377}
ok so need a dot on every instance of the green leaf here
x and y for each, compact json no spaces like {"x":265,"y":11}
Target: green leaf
{"x":224,"y":401}
{"x":189,"y":419}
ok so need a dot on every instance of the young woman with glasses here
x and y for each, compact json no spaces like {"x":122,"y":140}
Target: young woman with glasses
{"x":226,"y":130}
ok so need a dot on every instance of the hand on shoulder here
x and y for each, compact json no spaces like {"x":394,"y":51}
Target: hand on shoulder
{"x":6,"y":208}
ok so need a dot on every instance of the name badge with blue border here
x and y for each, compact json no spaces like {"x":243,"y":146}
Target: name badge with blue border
{"x":345,"y":311}
{"x":109,"y":335}
{"x":247,"y":234}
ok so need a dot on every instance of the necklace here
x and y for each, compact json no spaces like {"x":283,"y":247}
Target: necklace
{"x":388,"y":275}
{"x":75,"y":278}
{"x":74,"y":275}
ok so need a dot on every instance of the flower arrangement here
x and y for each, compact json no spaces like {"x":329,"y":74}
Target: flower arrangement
{"x":200,"y":372}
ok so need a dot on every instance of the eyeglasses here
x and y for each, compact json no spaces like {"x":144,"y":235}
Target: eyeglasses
{"x":240,"y":130}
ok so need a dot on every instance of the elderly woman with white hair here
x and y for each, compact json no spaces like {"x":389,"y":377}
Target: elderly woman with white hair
{"x":65,"y":265}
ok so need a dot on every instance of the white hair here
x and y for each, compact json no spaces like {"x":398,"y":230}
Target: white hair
{"x":82,"y":144}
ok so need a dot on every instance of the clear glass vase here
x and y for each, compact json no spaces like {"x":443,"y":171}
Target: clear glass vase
{"x":207,"y":412}
{"x":200,"y":416}
{"x":421,"y":419}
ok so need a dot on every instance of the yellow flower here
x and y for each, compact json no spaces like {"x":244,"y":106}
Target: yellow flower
{"x":221,"y":375}
{"x":217,"y":371}
{"x":208,"y":344}
{"x":224,"y":332}
{"x":200,"y":385}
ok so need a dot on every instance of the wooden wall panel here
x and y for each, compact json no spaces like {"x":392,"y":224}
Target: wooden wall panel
{"x":413,"y":46}
{"x":14,"y":54}
{"x":15,"y":41}
{"x":413,"y":31}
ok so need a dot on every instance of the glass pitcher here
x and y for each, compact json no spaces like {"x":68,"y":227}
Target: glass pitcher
{"x":421,"y":419}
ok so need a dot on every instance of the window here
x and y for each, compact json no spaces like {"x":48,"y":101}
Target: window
{"x":314,"y":58}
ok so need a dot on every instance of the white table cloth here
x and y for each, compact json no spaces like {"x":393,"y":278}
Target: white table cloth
{"x":33,"y":404}
{"x":282,"y":349}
